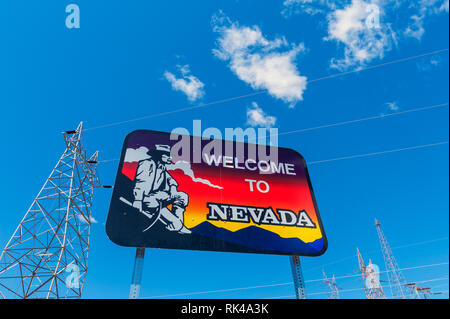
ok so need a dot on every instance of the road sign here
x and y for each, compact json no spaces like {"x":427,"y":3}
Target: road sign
{"x":183,"y":192}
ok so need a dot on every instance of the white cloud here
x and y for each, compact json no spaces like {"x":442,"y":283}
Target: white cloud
{"x":359,"y":28}
{"x":366,"y":29}
{"x":84,"y":220}
{"x":435,"y":61}
{"x":257,"y":117}
{"x":136,"y":155}
{"x":187,"y":83}
{"x":421,"y":10}
{"x":427,"y":65}
{"x":415,"y":29}
{"x":444,"y":6}
{"x":262,"y":63}
{"x":433,"y":6}
{"x":311,"y":7}
{"x":186,"y":168}
{"x":392,"y":106}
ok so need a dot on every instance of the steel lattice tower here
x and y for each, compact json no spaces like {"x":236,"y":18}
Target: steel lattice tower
{"x":370,"y":279}
{"x":418,"y":292}
{"x":47,"y":256}
{"x":332,"y":287}
{"x":395,"y":276}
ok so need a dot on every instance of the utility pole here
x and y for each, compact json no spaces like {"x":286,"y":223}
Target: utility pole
{"x":332,"y":288}
{"x":370,"y":279}
{"x":297,"y":274}
{"x":47,"y":256}
{"x":395,"y":276}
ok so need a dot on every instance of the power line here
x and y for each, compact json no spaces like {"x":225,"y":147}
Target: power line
{"x":219,"y":290}
{"x":385,"y":286}
{"x":279,"y":284}
{"x":420,"y":243}
{"x":381,"y":65}
{"x":424,"y":108}
{"x":352,"y":156}
{"x":441,"y":285}
{"x":176,"y":111}
{"x":384,"y":271}
{"x":377,"y":153}
{"x":264,"y":91}
{"x":381,"y":116}
{"x":356,"y":289}
{"x":395,"y":247}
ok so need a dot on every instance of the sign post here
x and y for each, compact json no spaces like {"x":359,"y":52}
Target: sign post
{"x":297,"y":274}
{"x":136,"y":280}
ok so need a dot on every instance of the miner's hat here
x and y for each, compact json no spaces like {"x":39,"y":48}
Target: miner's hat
{"x":159,"y":150}
{"x":163,"y":148}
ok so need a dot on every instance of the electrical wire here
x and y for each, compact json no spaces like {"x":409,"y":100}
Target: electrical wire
{"x":415,"y":147}
{"x":377,"y":153}
{"x":264,"y":91}
{"x":382,"y":272}
{"x":354,"y":289}
{"x":419,"y":109}
{"x":175,"y":111}
{"x":381,"y":65}
{"x":381,"y":116}
{"x":371,"y":251}
{"x":280,"y":284}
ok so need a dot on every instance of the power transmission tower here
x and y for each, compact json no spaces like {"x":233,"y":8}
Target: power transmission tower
{"x":297,"y":274}
{"x":414,"y":290}
{"x":47,"y":256}
{"x":332,"y":288}
{"x":370,"y":279}
{"x":418,"y":292}
{"x":395,"y":276}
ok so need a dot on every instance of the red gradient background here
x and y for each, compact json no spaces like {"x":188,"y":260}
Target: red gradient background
{"x":286,"y":192}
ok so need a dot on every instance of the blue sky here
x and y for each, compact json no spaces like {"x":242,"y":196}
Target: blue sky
{"x":131,"y":59}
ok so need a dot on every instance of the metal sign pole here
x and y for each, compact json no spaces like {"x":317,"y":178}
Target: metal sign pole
{"x":137,"y":273}
{"x":299,"y":282}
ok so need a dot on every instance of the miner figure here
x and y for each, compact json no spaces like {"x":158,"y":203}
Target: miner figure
{"x":156,"y":189}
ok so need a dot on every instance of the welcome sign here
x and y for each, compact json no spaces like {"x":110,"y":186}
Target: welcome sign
{"x":185,"y":192}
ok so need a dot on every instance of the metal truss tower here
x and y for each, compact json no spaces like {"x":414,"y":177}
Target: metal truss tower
{"x":370,"y":279}
{"x":332,"y":287}
{"x":418,"y":292}
{"x":47,"y":256}
{"x":297,"y":274}
{"x":395,"y":276}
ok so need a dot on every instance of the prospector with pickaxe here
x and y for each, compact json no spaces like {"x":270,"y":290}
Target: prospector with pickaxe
{"x":155,"y":189}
